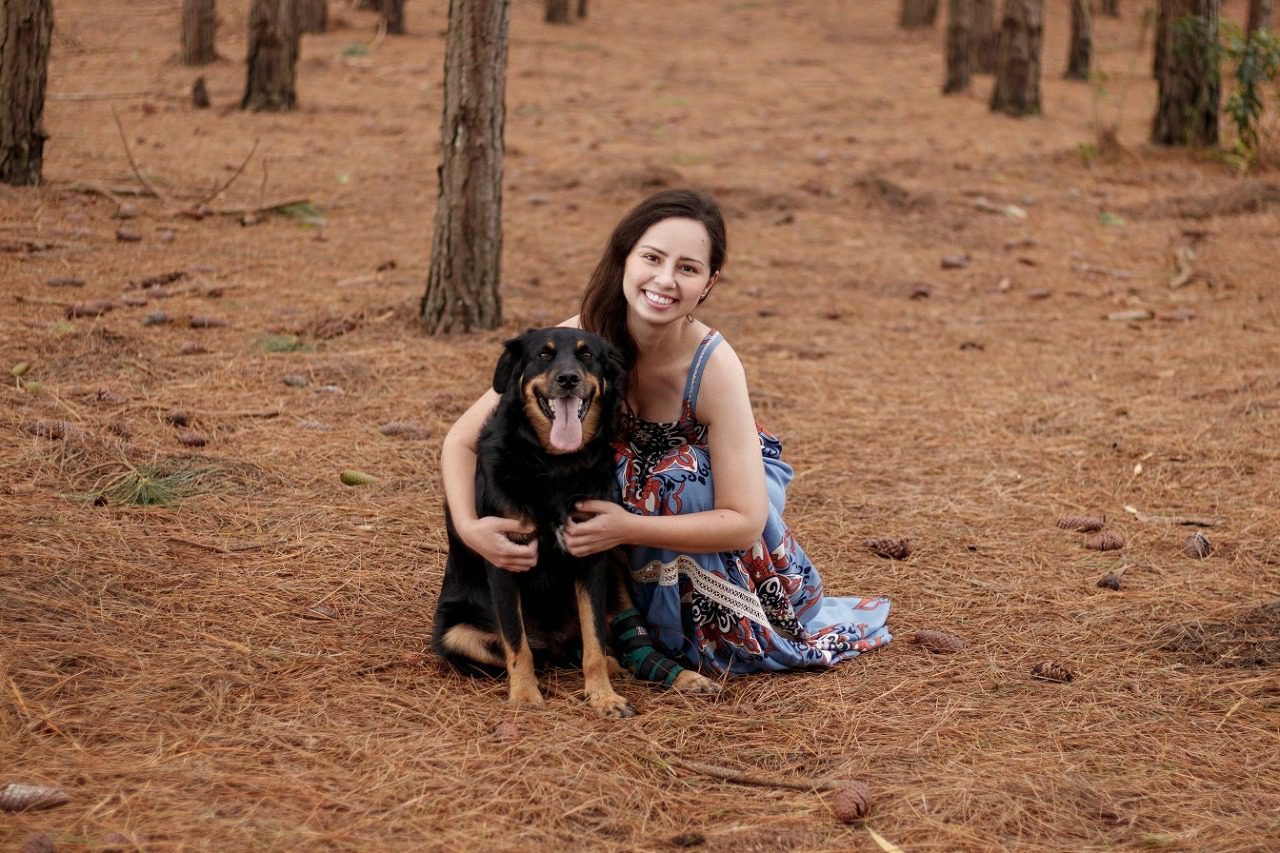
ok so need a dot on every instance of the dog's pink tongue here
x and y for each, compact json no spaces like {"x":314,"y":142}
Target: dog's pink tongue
{"x":566,"y":431}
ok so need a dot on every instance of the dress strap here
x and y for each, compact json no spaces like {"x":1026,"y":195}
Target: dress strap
{"x":700,"y":357}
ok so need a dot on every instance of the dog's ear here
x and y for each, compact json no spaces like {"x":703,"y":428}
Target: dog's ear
{"x":614,"y":366}
{"x":510,"y":365}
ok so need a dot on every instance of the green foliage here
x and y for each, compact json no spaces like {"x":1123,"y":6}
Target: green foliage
{"x":1255,"y":58}
{"x":152,"y":485}
{"x":280,"y":343}
{"x":303,"y":211}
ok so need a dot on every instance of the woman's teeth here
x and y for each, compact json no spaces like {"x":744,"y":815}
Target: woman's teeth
{"x":657,"y":299}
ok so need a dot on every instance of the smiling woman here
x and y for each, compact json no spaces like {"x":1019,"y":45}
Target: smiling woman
{"x":717,"y":577}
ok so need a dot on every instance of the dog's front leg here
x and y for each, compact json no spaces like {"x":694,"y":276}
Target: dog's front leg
{"x":521,"y":680}
{"x":601,"y":696}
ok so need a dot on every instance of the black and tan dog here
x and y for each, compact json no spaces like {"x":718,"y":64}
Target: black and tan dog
{"x":545,"y":446}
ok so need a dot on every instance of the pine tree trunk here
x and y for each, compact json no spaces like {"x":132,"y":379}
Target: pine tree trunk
{"x":1111,"y":8}
{"x":1017,"y":89}
{"x":1259,"y":15}
{"x":917,"y":13}
{"x":26,"y":27}
{"x":273,"y":54}
{"x":984,"y":36}
{"x":1188,"y":85}
{"x":1160,"y":38}
{"x":312,"y":16}
{"x":393,"y":13}
{"x":1080,"y":48}
{"x":466,"y":251}
{"x":582,"y":8}
{"x":959,"y":45}
{"x":199,"y":26}
{"x":556,"y":11}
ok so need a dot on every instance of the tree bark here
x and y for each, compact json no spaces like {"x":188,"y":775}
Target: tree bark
{"x":582,"y":8}
{"x":393,"y":14}
{"x":199,"y":26}
{"x":312,"y":16}
{"x":984,"y":36}
{"x":959,"y":45}
{"x":1111,"y":8}
{"x":466,"y":252}
{"x":1080,"y":47}
{"x":273,"y":55}
{"x":26,"y":27}
{"x":556,"y":11}
{"x":917,"y":13}
{"x":1259,"y":16}
{"x":1188,"y":82}
{"x":1017,"y":89}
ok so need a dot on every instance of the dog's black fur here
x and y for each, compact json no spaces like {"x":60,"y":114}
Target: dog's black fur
{"x":489,"y":619}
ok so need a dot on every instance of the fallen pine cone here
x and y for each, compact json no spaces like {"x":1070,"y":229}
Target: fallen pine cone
{"x":352,"y":477}
{"x":191,"y":438}
{"x":1198,"y":546}
{"x":851,"y":802}
{"x":404,"y":429}
{"x":1050,"y":671}
{"x":37,"y":842}
{"x":1105,"y":542}
{"x":938,"y":641}
{"x":890,"y":549}
{"x":16,"y":797}
{"x":1082,"y":523}
{"x":48,"y":429}
{"x":1109,"y":581}
{"x":204,"y":321}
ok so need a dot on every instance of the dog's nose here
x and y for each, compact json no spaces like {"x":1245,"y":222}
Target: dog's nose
{"x":568,"y":379}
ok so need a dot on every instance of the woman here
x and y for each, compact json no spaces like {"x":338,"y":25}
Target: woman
{"x":719,"y":579}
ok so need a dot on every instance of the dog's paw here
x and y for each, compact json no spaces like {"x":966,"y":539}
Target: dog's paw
{"x":525,"y":695}
{"x":689,"y":681}
{"x":611,"y":705}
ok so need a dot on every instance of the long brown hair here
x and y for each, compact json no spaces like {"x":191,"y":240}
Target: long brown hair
{"x":604,"y":305}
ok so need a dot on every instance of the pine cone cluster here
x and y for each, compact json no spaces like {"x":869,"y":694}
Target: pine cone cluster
{"x":1082,"y":523}
{"x":1198,"y":546}
{"x":938,"y":641}
{"x":890,"y":549}
{"x":1105,"y":542}
{"x":16,"y":797}
{"x":1051,"y":671}
{"x":851,"y":802}
{"x":1109,"y":581}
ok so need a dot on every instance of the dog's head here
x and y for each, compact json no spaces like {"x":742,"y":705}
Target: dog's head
{"x":566,"y":380}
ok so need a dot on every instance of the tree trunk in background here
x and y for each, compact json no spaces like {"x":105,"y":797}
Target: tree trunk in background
{"x":1111,"y":8}
{"x":273,"y":54}
{"x":917,"y":13}
{"x":1017,"y":89}
{"x":1259,"y":15}
{"x":582,"y":8}
{"x":393,"y":13}
{"x":1080,"y":48}
{"x":26,"y":27}
{"x":1188,"y":81}
{"x":556,"y":11}
{"x":959,"y":45}
{"x":466,"y":250}
{"x":984,"y":36}
{"x":312,"y":16}
{"x":199,"y":25}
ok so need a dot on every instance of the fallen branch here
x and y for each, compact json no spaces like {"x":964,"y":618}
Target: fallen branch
{"x":1187,"y":521}
{"x":740,"y":777}
{"x":1097,"y":270}
{"x":134,"y":163}
{"x":217,"y":191}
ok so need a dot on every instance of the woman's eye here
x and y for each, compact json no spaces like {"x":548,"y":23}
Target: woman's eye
{"x":690,"y":270}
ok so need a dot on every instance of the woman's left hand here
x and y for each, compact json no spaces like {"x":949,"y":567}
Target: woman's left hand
{"x":607,"y":528}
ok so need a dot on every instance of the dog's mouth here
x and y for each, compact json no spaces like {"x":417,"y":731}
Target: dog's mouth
{"x":566,"y":414}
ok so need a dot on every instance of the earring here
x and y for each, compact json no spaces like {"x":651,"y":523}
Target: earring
{"x":688,"y":318}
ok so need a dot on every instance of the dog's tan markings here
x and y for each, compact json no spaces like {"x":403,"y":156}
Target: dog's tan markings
{"x":469,"y":641}
{"x":522,"y":682}
{"x":591,"y":421}
{"x":595,"y":667}
{"x":538,"y":418}
{"x":689,"y":681}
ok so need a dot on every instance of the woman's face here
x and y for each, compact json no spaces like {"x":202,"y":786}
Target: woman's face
{"x":668,"y":271}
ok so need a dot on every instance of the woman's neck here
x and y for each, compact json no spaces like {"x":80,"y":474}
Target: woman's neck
{"x":665,"y":341}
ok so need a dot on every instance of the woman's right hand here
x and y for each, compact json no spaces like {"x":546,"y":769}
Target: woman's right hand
{"x":488,"y":537}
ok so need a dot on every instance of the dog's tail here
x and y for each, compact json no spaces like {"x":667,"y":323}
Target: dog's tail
{"x":470,"y":650}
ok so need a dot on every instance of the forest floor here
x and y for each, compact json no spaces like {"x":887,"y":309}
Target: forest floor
{"x":962,"y":326}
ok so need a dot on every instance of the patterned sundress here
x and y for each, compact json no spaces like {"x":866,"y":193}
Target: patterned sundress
{"x":736,"y":611}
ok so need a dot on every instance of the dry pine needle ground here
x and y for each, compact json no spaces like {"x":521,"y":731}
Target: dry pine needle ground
{"x":239,"y":665}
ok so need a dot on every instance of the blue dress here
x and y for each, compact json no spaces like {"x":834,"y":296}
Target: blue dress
{"x":737,"y":611}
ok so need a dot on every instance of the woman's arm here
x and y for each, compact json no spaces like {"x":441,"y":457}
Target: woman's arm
{"x":737,"y":469}
{"x":486,"y":536}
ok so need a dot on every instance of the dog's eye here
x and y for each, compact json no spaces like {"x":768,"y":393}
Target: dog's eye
{"x":546,"y":355}
{"x":586,"y":355}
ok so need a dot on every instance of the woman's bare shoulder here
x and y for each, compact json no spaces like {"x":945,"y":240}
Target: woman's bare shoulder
{"x":573,"y":322}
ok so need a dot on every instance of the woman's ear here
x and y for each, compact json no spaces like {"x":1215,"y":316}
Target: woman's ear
{"x":711,"y":282}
